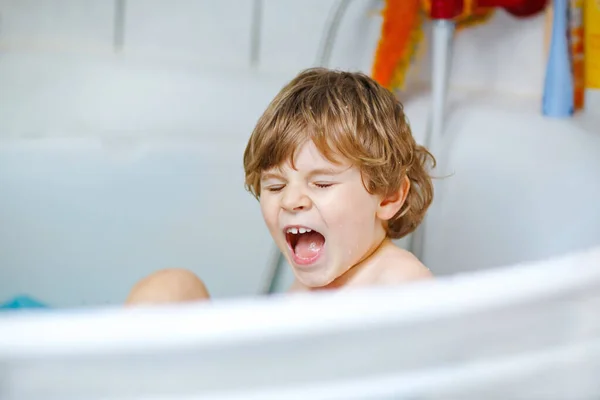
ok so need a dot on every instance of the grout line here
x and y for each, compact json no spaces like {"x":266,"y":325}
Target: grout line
{"x":119,"y":25}
{"x":255,"y":32}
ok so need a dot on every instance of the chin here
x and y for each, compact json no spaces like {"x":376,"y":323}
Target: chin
{"x":314,"y":279}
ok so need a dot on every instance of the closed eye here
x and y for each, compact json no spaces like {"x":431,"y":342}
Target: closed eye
{"x":275,"y":188}
{"x":323,"y":185}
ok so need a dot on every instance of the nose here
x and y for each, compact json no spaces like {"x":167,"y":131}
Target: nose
{"x":294,"y":199}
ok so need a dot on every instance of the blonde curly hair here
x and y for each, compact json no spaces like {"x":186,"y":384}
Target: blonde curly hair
{"x":350,"y":115}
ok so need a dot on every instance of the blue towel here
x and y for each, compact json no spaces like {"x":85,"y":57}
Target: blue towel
{"x":21,"y":302}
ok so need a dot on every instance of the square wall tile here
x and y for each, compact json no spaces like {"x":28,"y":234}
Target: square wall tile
{"x":291,"y":33}
{"x":294,"y":34}
{"x":209,"y":31}
{"x":57,"y":24}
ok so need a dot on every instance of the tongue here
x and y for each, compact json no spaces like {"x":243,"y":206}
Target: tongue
{"x":309,"y":244}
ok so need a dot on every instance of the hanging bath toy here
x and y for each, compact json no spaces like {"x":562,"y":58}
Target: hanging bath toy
{"x":402,"y":29}
{"x":558,"y":99}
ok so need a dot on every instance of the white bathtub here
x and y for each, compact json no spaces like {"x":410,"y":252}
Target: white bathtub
{"x":522,"y":332}
{"x":104,"y":187}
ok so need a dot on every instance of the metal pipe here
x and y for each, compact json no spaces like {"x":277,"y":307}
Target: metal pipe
{"x":331,"y":30}
{"x":443,"y":13}
{"x":442,"y":34}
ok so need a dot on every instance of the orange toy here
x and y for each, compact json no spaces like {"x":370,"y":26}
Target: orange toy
{"x":402,"y":31}
{"x":402,"y":34}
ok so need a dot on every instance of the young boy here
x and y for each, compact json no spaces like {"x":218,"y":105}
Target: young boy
{"x":338,"y":175}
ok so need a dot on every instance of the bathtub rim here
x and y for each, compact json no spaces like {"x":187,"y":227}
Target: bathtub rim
{"x":222,"y":322}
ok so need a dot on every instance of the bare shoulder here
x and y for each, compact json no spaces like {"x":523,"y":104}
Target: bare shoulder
{"x":400,"y":265}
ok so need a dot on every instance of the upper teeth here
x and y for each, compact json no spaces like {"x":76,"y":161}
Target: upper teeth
{"x":298,"y":230}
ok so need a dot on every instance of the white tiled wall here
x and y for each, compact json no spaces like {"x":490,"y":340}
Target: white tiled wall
{"x":505,"y":54}
{"x":70,"y":65}
{"x":57,"y":24}
{"x":205,"y":31}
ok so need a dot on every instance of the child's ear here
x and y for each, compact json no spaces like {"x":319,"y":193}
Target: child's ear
{"x":391,"y":204}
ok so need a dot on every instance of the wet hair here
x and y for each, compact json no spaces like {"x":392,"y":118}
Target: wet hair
{"x":347,"y":115}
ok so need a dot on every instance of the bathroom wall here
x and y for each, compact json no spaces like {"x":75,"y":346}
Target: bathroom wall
{"x":122,"y":125}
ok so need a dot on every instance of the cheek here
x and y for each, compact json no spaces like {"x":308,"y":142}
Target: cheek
{"x":269,"y":210}
{"x":353,"y":221}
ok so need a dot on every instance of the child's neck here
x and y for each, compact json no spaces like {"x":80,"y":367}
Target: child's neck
{"x":356,"y":272}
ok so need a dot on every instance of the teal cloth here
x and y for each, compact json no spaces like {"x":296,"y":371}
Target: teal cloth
{"x":21,"y":302}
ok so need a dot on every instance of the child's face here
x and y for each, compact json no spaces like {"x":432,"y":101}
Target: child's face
{"x":320,"y":215}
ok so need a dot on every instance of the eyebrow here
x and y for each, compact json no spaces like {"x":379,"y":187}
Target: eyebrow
{"x":271,"y":175}
{"x":315,"y":172}
{"x":324,"y":171}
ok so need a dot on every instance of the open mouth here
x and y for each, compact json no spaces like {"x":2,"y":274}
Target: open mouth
{"x":306,"y":243}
